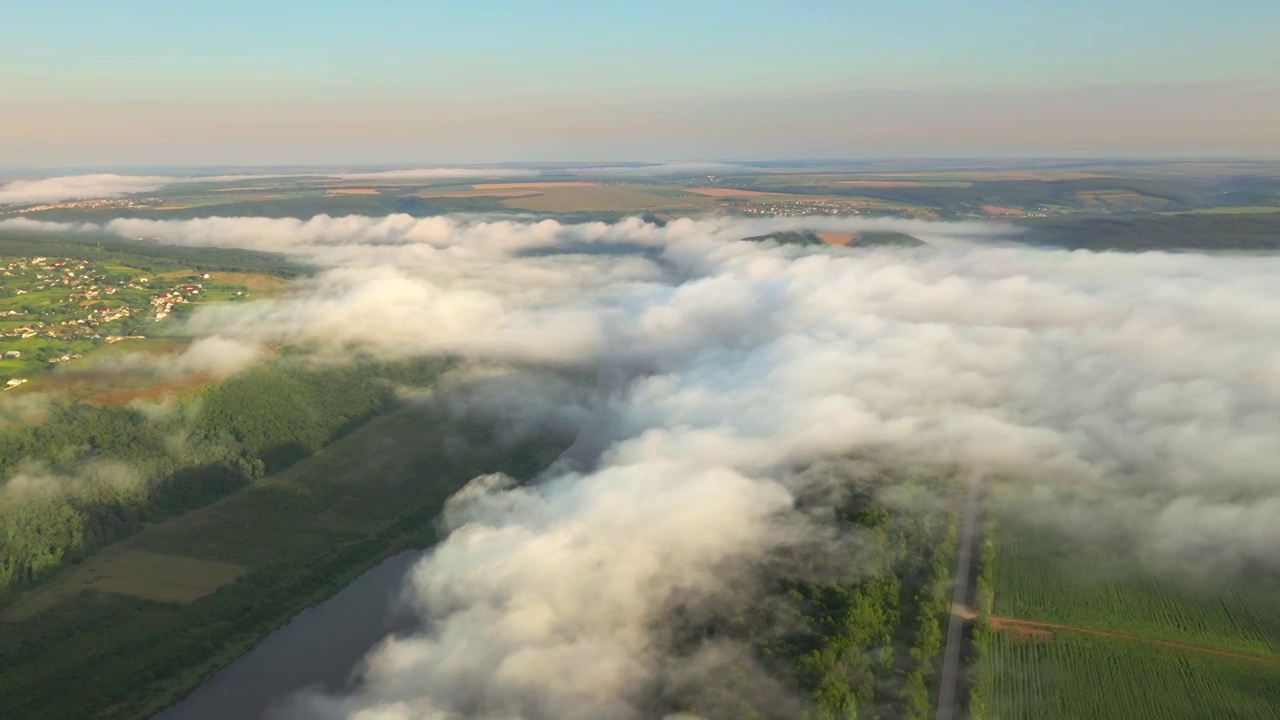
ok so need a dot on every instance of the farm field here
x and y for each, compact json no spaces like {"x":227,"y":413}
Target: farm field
{"x":135,"y":573}
{"x":1072,"y":676}
{"x":1076,"y":632}
{"x":1048,"y":579}
{"x":601,"y":198}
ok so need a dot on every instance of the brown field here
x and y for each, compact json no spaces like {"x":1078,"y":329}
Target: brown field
{"x":532,"y":185}
{"x":1121,"y":196}
{"x":604,"y":198}
{"x":121,"y":570}
{"x":997,"y":210}
{"x":475,"y":193}
{"x":351,"y":191}
{"x":114,"y":386}
{"x":728,"y":192}
{"x":152,"y":391}
{"x":172,"y":207}
{"x":144,"y":346}
{"x":837,"y":238}
{"x":249,"y":281}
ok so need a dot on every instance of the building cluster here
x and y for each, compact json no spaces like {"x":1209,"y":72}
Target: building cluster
{"x":163,"y":303}
{"x":72,"y":300}
{"x":89,"y":204}
{"x":799,"y":208}
{"x":87,"y":286}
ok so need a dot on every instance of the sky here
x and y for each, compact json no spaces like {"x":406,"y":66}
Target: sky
{"x":93,"y":84}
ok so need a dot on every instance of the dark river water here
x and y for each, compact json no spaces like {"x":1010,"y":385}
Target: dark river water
{"x":319,"y":647}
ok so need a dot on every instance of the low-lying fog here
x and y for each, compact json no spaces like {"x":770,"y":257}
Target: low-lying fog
{"x":1127,"y":395}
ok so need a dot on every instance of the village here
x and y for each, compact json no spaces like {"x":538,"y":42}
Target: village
{"x":54,"y":310}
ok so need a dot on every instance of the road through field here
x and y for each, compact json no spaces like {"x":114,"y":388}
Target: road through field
{"x":959,"y":598}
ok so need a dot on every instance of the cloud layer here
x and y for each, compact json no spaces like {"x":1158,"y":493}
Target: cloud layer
{"x":109,"y":185}
{"x":1132,"y":394}
{"x":67,"y":187}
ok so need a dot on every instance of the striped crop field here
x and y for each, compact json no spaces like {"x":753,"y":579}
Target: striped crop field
{"x":1073,"y":676}
{"x":1051,"y":579}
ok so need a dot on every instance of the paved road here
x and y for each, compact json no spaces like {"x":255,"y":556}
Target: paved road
{"x":959,"y":598}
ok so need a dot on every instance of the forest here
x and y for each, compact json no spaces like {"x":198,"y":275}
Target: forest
{"x":853,"y":631}
{"x":109,"y":249}
{"x":90,"y":475}
{"x":299,"y":536}
{"x":1189,"y":231}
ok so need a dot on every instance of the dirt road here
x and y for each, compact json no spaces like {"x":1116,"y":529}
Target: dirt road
{"x":1016,"y":625}
{"x":959,"y":598}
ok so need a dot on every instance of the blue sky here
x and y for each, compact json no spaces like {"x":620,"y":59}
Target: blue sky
{"x":396,"y":81}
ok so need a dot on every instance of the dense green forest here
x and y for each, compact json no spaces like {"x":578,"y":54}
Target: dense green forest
{"x":153,"y":257}
{"x":858,"y":636}
{"x":90,"y":475}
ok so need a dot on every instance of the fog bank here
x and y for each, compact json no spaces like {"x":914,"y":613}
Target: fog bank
{"x":1132,"y":394}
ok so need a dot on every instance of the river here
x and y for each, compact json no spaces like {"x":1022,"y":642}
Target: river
{"x":319,"y":646}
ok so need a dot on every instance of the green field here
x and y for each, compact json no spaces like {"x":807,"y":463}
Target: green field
{"x":1052,"y":579}
{"x":602,"y":198}
{"x":1072,"y":677}
{"x":1110,"y":657}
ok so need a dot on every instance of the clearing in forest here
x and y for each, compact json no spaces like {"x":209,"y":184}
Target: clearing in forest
{"x":122,"y":570}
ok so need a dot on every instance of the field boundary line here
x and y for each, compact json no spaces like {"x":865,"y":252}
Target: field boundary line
{"x":1000,"y":622}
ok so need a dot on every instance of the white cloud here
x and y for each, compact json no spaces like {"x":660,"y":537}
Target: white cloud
{"x":54,"y":189}
{"x":726,"y":370}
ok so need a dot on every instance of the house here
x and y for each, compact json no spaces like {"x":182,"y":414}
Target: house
{"x":13,"y":355}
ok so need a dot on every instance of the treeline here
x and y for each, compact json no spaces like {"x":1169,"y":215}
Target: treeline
{"x":1191,"y":231}
{"x":979,"y":679}
{"x":152,"y":257}
{"x":91,"y":475}
{"x":870,"y":648}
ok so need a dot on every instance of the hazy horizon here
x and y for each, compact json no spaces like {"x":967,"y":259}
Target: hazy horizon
{"x":326,"y":82}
